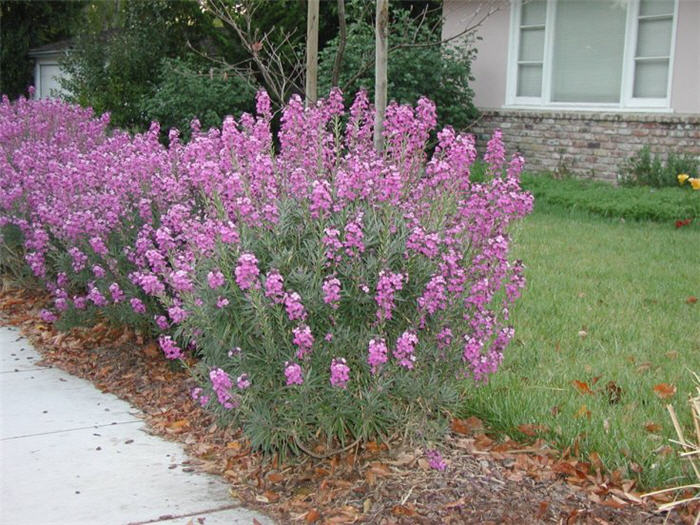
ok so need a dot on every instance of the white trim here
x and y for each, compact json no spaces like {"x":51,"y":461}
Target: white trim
{"x":628,"y":102}
{"x":548,"y":51}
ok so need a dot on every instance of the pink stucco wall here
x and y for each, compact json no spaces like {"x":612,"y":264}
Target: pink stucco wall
{"x":489,"y":68}
{"x":685,"y":85}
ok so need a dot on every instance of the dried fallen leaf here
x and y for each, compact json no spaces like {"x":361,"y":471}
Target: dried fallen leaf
{"x":380,"y":469}
{"x":664,"y":390}
{"x":179,"y":425}
{"x":650,"y":426}
{"x":403,"y":510}
{"x":152,"y":350}
{"x":582,"y":412}
{"x":530,"y":429}
{"x":691,"y":300}
{"x":614,"y":392}
{"x":582,"y":386}
{"x":312,"y":516}
{"x":275,"y":477}
{"x":643,"y":367}
{"x":467,"y":426}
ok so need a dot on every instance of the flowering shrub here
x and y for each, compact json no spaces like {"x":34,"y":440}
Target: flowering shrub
{"x":328,"y":290}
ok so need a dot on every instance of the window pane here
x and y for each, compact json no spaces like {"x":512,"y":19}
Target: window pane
{"x":529,"y":80}
{"x":655,"y":7}
{"x":531,"y":44}
{"x":589,"y":39}
{"x":533,"y":12}
{"x":654,"y":38}
{"x":651,"y":79}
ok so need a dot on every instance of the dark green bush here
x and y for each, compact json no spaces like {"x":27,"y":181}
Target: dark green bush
{"x":645,"y":170}
{"x":604,"y":199}
{"x":116,"y":55}
{"x":183,"y":93}
{"x":441,"y":73}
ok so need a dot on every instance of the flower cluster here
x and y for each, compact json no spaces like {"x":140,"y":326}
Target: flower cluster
{"x":396,"y":261}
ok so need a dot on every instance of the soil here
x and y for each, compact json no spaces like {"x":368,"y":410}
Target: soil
{"x":487,"y":480}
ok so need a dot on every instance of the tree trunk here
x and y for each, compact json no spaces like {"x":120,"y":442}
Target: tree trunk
{"x":342,"y":39}
{"x":312,"y":52}
{"x":380,"y":71}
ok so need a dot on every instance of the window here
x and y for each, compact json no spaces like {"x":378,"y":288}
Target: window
{"x":591,"y":53}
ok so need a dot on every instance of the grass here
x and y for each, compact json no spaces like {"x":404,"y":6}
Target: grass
{"x":606,"y":302}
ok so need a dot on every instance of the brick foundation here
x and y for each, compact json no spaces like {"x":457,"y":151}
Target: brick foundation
{"x":588,"y":143}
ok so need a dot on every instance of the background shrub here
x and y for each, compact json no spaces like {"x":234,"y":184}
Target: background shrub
{"x":184,"y":92}
{"x":645,"y":170}
{"x":416,"y":68}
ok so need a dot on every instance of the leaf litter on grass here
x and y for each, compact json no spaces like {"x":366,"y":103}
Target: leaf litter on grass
{"x":485,"y":481}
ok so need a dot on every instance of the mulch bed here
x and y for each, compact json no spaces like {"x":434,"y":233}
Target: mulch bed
{"x":486,"y":480}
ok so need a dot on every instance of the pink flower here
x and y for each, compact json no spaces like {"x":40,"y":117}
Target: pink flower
{"x":331,"y":292}
{"x":181,"y":281}
{"x":304,"y":340}
{"x":199,"y":396}
{"x":243,"y":381}
{"x":137,"y":306}
{"x":162,"y":322}
{"x":340,"y":373}
{"x":221,"y":302}
{"x":274,"y":286}
{"x":177,"y":314}
{"x":377,"y":354}
{"x":435,"y":460}
{"x":48,"y":316}
{"x":170,"y":349}
{"x":247,"y":271}
{"x":116,"y":292}
{"x":292,"y":372}
{"x":405,"y":346}
{"x":221,"y":384}
{"x":292,"y":304}
{"x":321,"y":200}
{"x":387,"y":286}
{"x":215,"y":279}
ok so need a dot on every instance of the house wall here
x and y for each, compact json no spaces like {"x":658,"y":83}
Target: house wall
{"x":583,"y":143}
{"x":685,"y":84}
{"x":489,"y":67}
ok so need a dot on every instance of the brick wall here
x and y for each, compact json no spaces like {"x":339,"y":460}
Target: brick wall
{"x":588,"y":143}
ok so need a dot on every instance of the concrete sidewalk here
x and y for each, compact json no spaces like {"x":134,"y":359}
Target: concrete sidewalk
{"x":71,"y":455}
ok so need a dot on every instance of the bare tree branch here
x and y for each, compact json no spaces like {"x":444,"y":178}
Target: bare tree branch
{"x":281,"y":73}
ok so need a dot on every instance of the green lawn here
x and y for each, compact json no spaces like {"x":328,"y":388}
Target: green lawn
{"x":605,"y":301}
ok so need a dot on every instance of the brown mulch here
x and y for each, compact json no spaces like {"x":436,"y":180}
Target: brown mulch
{"x":486,"y":481}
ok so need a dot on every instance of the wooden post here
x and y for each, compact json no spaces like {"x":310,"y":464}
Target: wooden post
{"x":312,"y":52}
{"x":380,"y":71}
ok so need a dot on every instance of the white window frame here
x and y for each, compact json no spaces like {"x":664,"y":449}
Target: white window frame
{"x":627,"y":101}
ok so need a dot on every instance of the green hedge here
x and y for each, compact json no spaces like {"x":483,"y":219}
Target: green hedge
{"x":604,"y":199}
